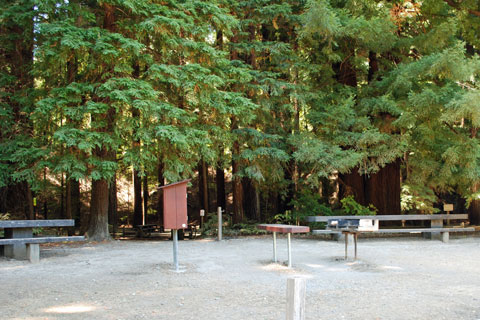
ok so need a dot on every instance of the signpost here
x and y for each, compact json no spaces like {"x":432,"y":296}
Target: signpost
{"x":175,"y":212}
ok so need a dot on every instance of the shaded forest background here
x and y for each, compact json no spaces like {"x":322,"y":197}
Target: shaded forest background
{"x":272,"y":107}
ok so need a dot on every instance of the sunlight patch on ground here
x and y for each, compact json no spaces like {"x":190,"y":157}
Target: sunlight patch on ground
{"x":75,"y":308}
{"x":316,"y":266}
{"x":391,"y":268}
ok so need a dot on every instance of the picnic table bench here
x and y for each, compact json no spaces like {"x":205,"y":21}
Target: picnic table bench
{"x":283,"y":228}
{"x":19,"y":242}
{"x":436,"y":225}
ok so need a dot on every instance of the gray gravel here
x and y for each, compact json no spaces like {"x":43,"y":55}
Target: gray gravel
{"x":393,"y":279}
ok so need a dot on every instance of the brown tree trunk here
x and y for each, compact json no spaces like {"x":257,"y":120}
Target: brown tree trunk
{"x":203,"y":185}
{"x":137,"y":202}
{"x":474,"y":209}
{"x":383,"y":189}
{"x":220,"y":182}
{"x":161,"y":182}
{"x":98,"y":222}
{"x":145,"y":197}
{"x":238,"y":213}
{"x":31,"y":213}
{"x":112,"y":204}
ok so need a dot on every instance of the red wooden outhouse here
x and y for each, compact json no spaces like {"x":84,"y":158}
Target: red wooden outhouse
{"x":175,"y":205}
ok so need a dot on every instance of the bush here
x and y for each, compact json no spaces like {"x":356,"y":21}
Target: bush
{"x":352,"y":207}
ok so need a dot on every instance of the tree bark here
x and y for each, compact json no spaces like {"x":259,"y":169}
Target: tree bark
{"x":383,"y":189}
{"x":98,"y":220}
{"x":161,"y":182}
{"x":145,"y":197}
{"x":203,"y":185}
{"x":474,"y":209}
{"x":112,"y":204}
{"x":238,"y":213}
{"x":98,"y":224}
{"x":137,"y":202}
{"x":220,"y":182}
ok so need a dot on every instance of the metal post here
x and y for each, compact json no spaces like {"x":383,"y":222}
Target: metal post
{"x":296,"y":289}
{"x":175,"y":249}
{"x":274,"y":247}
{"x":289,"y":244}
{"x":220,"y":223}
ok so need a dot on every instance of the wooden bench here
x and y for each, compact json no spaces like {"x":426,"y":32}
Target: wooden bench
{"x":283,"y":228}
{"x":436,"y":223}
{"x":19,"y":242}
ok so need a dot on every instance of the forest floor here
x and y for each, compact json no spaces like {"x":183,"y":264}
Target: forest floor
{"x":407,"y":278}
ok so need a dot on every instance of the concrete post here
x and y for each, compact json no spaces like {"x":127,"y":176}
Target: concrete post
{"x":296,"y":288}
{"x":445,"y":237}
{"x":33,"y":252}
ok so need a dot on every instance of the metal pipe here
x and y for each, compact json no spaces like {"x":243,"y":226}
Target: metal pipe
{"x":175,"y":249}
{"x":274,"y":247}
{"x":220,"y":223}
{"x":289,"y":244}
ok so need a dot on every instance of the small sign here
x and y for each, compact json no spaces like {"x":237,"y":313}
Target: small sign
{"x":34,"y":202}
{"x":447,"y":207}
{"x":202,"y":213}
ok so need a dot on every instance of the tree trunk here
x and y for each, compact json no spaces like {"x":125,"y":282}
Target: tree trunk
{"x":31,"y":213}
{"x":474,"y":209}
{"x":203,"y":185}
{"x":112,"y":204}
{"x":161,"y":182}
{"x":383,"y":189}
{"x":145,"y":197}
{"x":137,"y":202}
{"x":220,"y":181}
{"x":238,"y":214}
{"x":98,"y":224}
{"x":98,"y":220}
{"x":353,"y":184}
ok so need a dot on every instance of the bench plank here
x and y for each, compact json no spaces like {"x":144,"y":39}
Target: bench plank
{"x":392,"y":217}
{"x":40,"y":240}
{"x":419,"y":230}
{"x":284,"y":228}
{"x":36,"y":223}
{"x":426,"y":230}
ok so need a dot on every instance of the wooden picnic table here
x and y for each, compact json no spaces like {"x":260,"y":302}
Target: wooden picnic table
{"x":283,"y":228}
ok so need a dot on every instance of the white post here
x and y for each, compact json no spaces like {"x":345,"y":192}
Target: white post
{"x":296,"y":288}
{"x":220,"y":223}
{"x":175,"y":248}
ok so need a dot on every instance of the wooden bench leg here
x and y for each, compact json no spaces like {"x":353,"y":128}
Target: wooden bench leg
{"x":33,"y":252}
{"x":445,"y":236}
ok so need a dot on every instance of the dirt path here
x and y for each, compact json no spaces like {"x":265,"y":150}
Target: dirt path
{"x":234,"y":279}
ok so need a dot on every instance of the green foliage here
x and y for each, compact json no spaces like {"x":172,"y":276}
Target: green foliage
{"x":210,"y":227}
{"x":308,"y":203}
{"x":351,"y":207}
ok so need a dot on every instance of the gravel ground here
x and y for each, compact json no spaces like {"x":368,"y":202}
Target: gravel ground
{"x":234,"y":279}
